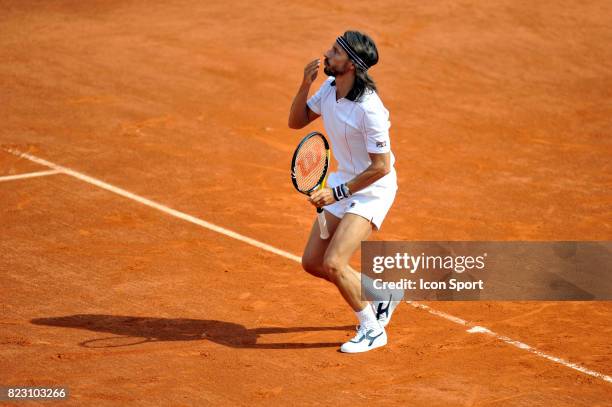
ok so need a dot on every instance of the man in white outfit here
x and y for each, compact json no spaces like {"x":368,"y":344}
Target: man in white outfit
{"x":363,"y":188}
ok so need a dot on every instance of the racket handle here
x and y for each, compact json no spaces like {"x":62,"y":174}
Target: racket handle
{"x":322,"y":224}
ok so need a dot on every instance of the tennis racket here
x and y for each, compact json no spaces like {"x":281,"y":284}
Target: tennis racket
{"x":309,"y":170}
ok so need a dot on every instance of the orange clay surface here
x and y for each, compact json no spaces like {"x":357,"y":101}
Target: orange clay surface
{"x":501,"y":127}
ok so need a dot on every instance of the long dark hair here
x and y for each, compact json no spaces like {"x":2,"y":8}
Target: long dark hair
{"x":365,"y":47}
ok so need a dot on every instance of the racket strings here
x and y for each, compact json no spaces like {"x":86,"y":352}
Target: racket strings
{"x":310,"y":164}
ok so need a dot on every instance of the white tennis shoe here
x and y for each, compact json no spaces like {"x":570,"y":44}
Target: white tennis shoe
{"x":367,"y":338}
{"x":384,"y":309}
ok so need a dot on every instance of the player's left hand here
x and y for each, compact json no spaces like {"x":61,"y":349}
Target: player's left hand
{"x":322,"y":197}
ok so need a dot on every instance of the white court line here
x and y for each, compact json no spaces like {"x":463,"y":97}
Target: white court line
{"x":290,"y":256}
{"x":28,"y":175}
{"x":155,"y":205}
{"x":480,"y":329}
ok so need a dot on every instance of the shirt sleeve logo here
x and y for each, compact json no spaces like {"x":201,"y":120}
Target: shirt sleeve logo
{"x":381,"y":144}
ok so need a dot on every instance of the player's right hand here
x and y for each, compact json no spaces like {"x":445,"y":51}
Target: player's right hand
{"x":311,"y":70}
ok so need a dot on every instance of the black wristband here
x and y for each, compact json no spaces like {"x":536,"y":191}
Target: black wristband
{"x":336,"y":195}
{"x":345,"y":190}
{"x":341,"y":192}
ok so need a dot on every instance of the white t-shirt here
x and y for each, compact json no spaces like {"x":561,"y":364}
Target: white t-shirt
{"x":354,"y":129}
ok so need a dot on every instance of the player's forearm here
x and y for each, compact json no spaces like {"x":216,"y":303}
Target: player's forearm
{"x":298,"y":115}
{"x":371,"y":174}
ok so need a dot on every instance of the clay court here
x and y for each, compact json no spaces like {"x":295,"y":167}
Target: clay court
{"x":151,"y":236}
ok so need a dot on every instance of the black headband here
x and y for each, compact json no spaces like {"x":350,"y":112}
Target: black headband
{"x":351,"y":53}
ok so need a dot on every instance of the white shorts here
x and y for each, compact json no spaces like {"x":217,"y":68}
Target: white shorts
{"x":371,"y":203}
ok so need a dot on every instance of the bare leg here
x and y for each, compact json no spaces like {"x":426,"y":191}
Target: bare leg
{"x":314,"y":252}
{"x":349,"y":234}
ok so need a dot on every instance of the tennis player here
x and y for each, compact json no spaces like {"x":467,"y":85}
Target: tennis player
{"x":361,"y":191}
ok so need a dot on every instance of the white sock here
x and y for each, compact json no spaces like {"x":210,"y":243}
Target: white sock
{"x":367,"y":318}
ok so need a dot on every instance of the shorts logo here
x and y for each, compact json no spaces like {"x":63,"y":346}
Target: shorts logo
{"x":353,"y":204}
{"x":381,"y":144}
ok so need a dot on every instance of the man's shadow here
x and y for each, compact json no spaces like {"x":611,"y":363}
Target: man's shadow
{"x":128,"y":330}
